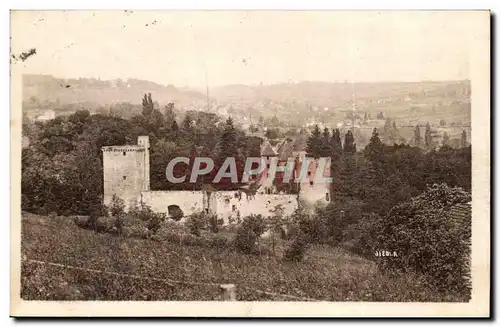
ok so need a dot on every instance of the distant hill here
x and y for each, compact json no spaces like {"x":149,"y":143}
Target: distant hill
{"x":332,"y":94}
{"x":294,"y":103}
{"x":46,"y":90}
{"x":328,"y":102}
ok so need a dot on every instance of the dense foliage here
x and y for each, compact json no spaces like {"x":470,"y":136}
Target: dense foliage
{"x":249,"y":232}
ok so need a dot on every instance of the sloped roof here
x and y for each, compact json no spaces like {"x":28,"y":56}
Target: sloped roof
{"x":267,"y":150}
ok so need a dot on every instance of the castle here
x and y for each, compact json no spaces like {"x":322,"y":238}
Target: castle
{"x":126,"y":171}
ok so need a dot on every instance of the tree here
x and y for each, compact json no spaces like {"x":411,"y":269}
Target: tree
{"x":417,"y":137}
{"x":429,"y":239}
{"x":272,"y":133}
{"x":147,"y":104}
{"x":325,"y":149}
{"x":276,"y":222}
{"x":335,"y":162}
{"x":428,"y":136}
{"x":446,"y":139}
{"x":349,"y":145}
{"x":374,"y":150}
{"x":249,"y":233}
{"x":169,"y":113}
{"x":174,"y":129}
{"x":227,"y":146}
{"x":187,"y":123}
{"x":313,"y":147}
{"x":463,"y":140}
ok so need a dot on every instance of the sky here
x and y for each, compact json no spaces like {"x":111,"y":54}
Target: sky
{"x":188,"y":48}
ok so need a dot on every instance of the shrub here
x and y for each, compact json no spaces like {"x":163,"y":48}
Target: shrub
{"x":330,"y":222}
{"x":216,"y":241}
{"x":297,"y":249}
{"x":196,"y":222}
{"x":213,"y":223}
{"x":83,"y":222}
{"x":428,"y":240}
{"x":248,"y":233}
{"x":152,"y":220}
{"x":359,"y":237}
{"x":117,"y":206}
{"x":104,"y":224}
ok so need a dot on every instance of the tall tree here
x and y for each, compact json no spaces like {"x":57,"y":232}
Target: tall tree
{"x":147,"y":104}
{"x":169,"y":113}
{"x":463,"y":140}
{"x":325,"y":145}
{"x":417,"y":138}
{"x":313,"y":147}
{"x":335,"y":145}
{"x":187,"y":123}
{"x":349,"y":145}
{"x":428,"y":136}
{"x":174,"y":129}
{"x":228,"y":142}
{"x":335,"y":163}
{"x":374,"y":150}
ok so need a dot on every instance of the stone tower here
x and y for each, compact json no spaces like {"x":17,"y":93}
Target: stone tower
{"x":126,"y":171}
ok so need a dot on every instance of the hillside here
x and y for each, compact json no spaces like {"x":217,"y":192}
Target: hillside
{"x":41,"y":91}
{"x":332,"y":94}
{"x":64,"y":262}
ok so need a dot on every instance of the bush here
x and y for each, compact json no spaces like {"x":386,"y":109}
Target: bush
{"x":214,"y":223}
{"x":196,"y":222}
{"x":117,"y":206}
{"x":297,"y":249}
{"x":105,"y":224}
{"x":216,"y":241}
{"x":428,"y":240}
{"x":359,"y":237}
{"x":152,"y":220}
{"x":248,"y":233}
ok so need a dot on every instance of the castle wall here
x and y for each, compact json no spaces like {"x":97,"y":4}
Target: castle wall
{"x":225,"y":204}
{"x":228,"y":204}
{"x":188,"y":201}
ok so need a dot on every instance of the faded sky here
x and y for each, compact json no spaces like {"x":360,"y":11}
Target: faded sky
{"x":246,"y":47}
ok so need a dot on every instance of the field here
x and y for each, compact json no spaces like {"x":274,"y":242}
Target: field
{"x":63,"y":262}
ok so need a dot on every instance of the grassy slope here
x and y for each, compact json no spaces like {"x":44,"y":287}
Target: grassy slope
{"x":326,"y":274}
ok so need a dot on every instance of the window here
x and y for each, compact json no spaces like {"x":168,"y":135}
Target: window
{"x":311,"y":183}
{"x":226,"y":201}
{"x":124,"y":153}
{"x":327,"y":196}
{"x":234,"y":208}
{"x":124,"y":177}
{"x":309,"y":173}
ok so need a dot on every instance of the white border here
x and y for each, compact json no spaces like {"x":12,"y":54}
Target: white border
{"x":479,"y":136}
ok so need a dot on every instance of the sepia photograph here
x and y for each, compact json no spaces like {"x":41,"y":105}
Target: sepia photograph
{"x":250,"y":163}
